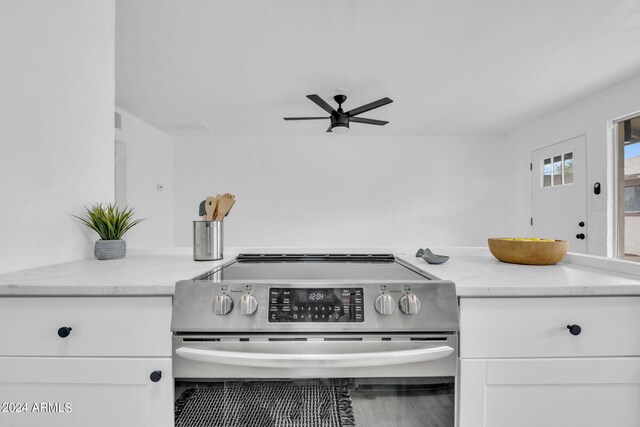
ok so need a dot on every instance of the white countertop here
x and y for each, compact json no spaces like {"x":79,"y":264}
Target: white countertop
{"x":475,"y":272}
{"x":140,"y":272}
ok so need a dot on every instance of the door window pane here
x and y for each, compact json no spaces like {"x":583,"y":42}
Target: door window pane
{"x":557,"y":170}
{"x":568,"y":168}
{"x":546,"y":168}
{"x":632,"y":199}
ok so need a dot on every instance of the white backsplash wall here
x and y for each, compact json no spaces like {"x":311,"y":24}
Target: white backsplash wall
{"x":149,"y":159}
{"x":588,"y":116}
{"x":343,"y":191}
{"x":56,"y":149}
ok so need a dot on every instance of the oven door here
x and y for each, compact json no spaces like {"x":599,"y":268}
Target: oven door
{"x":297,"y":380}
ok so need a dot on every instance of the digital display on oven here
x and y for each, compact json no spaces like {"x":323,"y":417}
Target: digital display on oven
{"x":316,"y":305}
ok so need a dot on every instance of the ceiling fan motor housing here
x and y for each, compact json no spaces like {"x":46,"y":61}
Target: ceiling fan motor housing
{"x":339,"y":119}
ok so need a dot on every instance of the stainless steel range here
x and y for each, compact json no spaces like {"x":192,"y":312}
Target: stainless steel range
{"x":370,"y":329}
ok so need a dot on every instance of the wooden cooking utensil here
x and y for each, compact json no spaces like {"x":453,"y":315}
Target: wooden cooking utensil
{"x":224,"y":206}
{"x":229,"y":210}
{"x":209,"y":207}
{"x":215,"y":210}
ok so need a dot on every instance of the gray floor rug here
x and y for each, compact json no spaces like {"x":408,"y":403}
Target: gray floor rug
{"x":265,"y":404}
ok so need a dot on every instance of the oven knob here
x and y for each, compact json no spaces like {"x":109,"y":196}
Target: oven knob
{"x":385,"y":304}
{"x":248,"y":304}
{"x":409,"y":304}
{"x":223,"y":304}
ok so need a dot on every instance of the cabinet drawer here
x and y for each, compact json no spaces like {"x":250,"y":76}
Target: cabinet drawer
{"x":86,"y":392}
{"x":537,"y":327}
{"x":100,"y":326}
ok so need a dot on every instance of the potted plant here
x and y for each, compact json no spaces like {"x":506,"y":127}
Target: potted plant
{"x":111,"y":223}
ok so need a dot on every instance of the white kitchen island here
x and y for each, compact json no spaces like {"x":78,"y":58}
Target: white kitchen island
{"x":520,"y":365}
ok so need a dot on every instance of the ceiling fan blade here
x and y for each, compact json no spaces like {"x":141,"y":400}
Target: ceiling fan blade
{"x":329,"y":130}
{"x":370,"y":106}
{"x":322,"y":103}
{"x":368,"y":121}
{"x":305,"y":118}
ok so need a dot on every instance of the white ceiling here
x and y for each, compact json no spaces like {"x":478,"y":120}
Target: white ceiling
{"x":451,"y":66}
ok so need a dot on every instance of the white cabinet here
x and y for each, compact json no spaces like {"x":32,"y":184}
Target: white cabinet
{"x":104,"y":326}
{"x":82,"y":392}
{"x":99,"y":375}
{"x":520,"y":365}
{"x":590,"y":392}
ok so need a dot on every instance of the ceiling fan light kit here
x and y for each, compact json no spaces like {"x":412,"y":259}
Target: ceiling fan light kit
{"x":340,"y":120}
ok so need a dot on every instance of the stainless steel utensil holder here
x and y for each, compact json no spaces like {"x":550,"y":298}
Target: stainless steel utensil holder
{"x":207,"y":240}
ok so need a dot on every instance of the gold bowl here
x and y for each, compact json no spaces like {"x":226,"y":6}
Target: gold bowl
{"x":530,"y":252}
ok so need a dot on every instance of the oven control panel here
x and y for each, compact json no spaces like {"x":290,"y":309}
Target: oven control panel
{"x":316,"y":305}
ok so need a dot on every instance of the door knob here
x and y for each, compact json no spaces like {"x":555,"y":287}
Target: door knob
{"x":574,"y":329}
{"x":64,"y":332}
{"x":580,"y":236}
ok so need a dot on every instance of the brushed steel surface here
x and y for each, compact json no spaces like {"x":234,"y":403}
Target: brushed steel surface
{"x":320,"y":344}
{"x":207,"y":240}
{"x":193,"y":302}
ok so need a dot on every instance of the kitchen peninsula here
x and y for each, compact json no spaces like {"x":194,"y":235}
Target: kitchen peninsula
{"x":515,"y":343}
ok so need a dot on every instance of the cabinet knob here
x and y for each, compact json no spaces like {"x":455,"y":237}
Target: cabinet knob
{"x":64,"y":331}
{"x":574,"y":329}
{"x":155,"y":376}
{"x":580,"y":236}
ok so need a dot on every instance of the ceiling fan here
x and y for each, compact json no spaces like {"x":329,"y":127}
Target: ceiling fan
{"x":339,"y":118}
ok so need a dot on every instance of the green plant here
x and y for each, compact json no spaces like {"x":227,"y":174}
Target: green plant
{"x":109,"y":221}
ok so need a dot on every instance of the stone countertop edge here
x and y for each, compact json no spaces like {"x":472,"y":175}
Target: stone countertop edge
{"x":154,"y":272}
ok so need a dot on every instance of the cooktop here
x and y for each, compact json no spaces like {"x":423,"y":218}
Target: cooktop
{"x":344,"y":267}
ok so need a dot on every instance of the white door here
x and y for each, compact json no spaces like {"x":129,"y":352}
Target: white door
{"x":559,"y":192}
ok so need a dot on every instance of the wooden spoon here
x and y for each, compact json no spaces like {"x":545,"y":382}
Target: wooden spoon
{"x":229,"y":210}
{"x":209,"y":207}
{"x":215,"y":210}
{"x":224,"y":206}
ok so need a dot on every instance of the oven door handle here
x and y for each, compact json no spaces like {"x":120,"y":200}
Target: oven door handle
{"x":330,"y":360}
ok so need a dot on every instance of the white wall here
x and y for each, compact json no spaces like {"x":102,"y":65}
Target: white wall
{"x":56,"y":138}
{"x":343,"y":191}
{"x":588,"y":116}
{"x":149,"y":158}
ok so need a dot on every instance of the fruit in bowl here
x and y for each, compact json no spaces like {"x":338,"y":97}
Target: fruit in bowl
{"x":528,"y":250}
{"x":528,"y":239}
